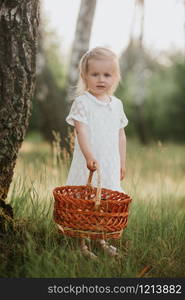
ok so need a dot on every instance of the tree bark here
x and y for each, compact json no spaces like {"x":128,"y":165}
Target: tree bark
{"x":19,"y":20}
{"x":81,"y":41}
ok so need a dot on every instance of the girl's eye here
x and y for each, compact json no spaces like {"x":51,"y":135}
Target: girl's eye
{"x":95,"y":74}
{"x":107,"y":75}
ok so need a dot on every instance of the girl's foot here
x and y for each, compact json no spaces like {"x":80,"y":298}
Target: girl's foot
{"x":109,"y":249}
{"x":87,"y":253}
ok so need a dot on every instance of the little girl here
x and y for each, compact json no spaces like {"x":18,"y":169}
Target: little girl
{"x":99,"y":121}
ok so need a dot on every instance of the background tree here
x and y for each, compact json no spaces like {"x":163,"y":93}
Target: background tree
{"x":135,"y":59}
{"x":49,"y":105}
{"x":50,"y":100}
{"x":81,"y":41}
{"x":19,"y":20}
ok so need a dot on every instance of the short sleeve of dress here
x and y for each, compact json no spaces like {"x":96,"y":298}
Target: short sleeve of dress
{"x":78,"y":112}
{"x":123,"y":118}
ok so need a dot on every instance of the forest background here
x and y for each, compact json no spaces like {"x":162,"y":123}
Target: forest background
{"x":152,"y":86}
{"x":153,"y":93}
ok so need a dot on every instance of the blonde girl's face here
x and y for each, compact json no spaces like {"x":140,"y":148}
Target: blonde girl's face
{"x":100,"y":77}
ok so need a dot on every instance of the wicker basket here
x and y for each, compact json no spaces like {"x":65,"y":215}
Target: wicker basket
{"x":86,"y":211}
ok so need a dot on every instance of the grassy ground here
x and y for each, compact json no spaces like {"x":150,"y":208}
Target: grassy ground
{"x":153,"y":244}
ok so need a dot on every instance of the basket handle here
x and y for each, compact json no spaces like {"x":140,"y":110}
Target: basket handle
{"x":98,"y":192}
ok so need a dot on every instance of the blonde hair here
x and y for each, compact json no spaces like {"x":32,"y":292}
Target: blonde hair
{"x":99,"y":53}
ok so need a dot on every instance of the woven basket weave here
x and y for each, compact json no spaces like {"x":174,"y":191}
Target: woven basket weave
{"x":87,"y":211}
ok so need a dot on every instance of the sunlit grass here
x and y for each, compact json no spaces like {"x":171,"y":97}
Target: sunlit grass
{"x":155,"y":171}
{"x":154,"y":237}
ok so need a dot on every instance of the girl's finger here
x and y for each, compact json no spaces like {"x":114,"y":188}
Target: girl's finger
{"x":94,"y":165}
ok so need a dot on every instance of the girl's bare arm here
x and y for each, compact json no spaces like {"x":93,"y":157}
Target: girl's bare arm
{"x":122,"y":151}
{"x":84,"y":143}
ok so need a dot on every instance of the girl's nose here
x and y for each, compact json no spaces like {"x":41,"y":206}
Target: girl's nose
{"x":101,"y":78}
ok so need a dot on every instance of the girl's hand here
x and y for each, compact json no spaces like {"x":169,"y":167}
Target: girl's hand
{"x":122,"y":173}
{"x":92,"y":164}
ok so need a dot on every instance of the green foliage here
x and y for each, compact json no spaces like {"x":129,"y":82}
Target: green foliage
{"x":164,"y":100}
{"x":166,"y":103}
{"x":49,"y":105}
{"x":160,"y":118}
{"x":177,"y":102}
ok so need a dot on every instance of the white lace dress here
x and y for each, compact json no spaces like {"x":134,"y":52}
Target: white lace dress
{"x":104,"y":121}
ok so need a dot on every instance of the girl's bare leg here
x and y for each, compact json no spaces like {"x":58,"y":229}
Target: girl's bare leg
{"x":85,"y":251}
{"x":109,"y":249}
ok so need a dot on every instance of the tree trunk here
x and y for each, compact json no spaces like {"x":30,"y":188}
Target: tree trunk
{"x":184,"y":26}
{"x":19,"y":21}
{"x":81,"y":41}
{"x":134,"y":59}
{"x":139,"y":72}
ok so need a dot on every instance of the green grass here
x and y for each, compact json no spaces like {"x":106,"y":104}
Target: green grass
{"x":154,"y":237}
